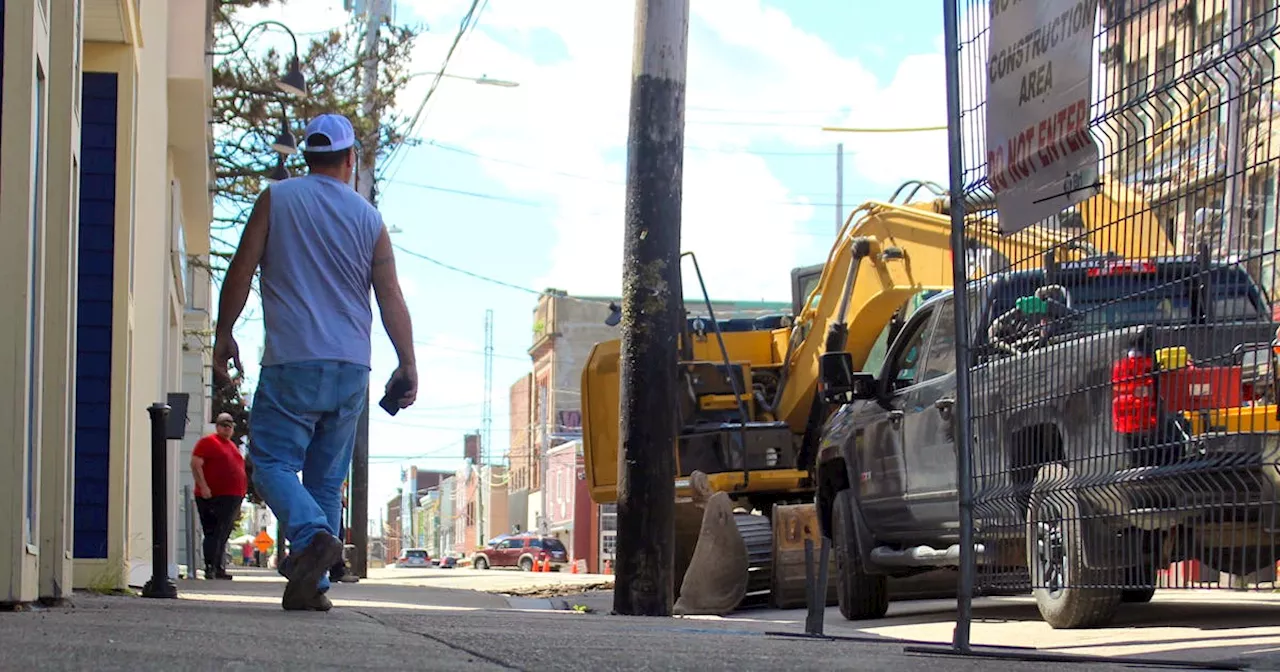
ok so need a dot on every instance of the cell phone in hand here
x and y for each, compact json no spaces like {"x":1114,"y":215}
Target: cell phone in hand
{"x":391,"y":400}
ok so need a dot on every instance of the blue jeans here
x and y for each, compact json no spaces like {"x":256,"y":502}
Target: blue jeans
{"x":304,"y":419}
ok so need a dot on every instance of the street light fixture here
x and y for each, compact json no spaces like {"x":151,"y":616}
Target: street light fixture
{"x":280,"y":173}
{"x":293,"y":82}
{"x":482,"y":79}
{"x":284,"y":143}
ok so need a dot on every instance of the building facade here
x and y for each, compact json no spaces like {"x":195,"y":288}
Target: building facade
{"x":104,"y":191}
{"x":448,"y":513}
{"x":1192,"y":87}
{"x":522,"y":477}
{"x":548,"y":402}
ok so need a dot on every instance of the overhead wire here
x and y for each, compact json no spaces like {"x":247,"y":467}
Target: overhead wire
{"x":540,"y":204}
{"x":466,"y":25}
{"x":743,"y":312}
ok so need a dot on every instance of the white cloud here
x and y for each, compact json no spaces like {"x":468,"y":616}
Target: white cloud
{"x":571,"y":115}
{"x":917,"y":97}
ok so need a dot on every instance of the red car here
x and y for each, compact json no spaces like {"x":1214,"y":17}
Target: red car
{"x":522,"y":551}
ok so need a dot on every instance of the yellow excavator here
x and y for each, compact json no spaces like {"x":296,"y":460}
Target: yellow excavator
{"x":750,"y":417}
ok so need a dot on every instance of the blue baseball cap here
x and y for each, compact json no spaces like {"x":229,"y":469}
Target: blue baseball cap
{"x":329,"y":133}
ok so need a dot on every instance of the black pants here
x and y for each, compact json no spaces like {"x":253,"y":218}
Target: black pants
{"x":217,"y":516}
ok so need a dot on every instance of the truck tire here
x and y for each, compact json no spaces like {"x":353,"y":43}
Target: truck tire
{"x":1145,"y":576}
{"x":860,"y":595}
{"x":1138,"y":595}
{"x":1055,"y":557}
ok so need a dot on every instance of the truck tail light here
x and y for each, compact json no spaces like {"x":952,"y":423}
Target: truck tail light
{"x":1128,"y":267}
{"x":1133,"y":393}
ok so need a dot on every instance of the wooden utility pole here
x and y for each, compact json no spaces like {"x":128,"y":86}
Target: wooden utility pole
{"x":373,"y":15}
{"x":652,"y":309}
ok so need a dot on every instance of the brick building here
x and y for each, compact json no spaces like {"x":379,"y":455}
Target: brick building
{"x":1181,"y":125}
{"x":546,"y":411}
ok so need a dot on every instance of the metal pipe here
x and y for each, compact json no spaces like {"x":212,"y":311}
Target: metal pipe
{"x":160,"y":585}
{"x":964,"y":434}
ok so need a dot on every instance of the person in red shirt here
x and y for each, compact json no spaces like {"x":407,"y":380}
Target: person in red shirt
{"x":221,"y":484}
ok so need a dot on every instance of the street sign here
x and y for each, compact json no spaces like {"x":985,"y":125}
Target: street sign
{"x":1040,"y":156}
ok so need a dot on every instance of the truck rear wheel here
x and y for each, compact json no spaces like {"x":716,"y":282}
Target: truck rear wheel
{"x":859,"y":594}
{"x":1056,"y":531}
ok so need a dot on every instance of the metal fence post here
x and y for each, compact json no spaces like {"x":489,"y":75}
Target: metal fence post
{"x":963,"y":428}
{"x":160,"y":585}
{"x":187,"y":506}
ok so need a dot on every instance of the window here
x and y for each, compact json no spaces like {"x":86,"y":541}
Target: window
{"x":908,"y":358}
{"x":1136,"y":84}
{"x":1211,"y":32}
{"x":1166,"y":58}
{"x":941,"y":357}
{"x":1262,"y":17}
{"x":608,"y":518}
{"x":553,"y":545}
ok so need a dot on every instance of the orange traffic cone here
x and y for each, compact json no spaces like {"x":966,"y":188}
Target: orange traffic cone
{"x":573,"y":567}
{"x":608,"y":567}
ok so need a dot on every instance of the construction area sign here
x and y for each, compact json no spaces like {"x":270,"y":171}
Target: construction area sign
{"x":1040,"y":156}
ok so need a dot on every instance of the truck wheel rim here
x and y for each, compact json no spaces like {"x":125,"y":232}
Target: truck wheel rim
{"x":1051,"y":551}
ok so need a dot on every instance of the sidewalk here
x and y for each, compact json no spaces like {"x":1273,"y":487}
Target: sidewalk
{"x":219,"y":625}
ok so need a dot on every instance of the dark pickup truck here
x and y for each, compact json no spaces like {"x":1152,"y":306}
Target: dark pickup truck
{"x":1086,"y":475}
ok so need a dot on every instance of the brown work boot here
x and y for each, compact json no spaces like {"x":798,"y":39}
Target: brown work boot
{"x":307,"y":567}
{"x":317,"y":602}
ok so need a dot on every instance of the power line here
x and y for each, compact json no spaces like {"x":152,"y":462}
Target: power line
{"x":567,"y":297}
{"x":467,"y":23}
{"x":540,"y":204}
{"x":471,"y":351}
{"x":741,"y":110}
{"x":714,"y":150}
{"x":485,"y":278}
{"x":429,"y":453}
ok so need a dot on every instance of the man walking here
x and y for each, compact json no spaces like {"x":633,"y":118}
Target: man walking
{"x":321,"y":247}
{"x":218,"y":469}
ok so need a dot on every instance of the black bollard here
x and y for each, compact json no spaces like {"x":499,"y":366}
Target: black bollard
{"x":160,"y":584}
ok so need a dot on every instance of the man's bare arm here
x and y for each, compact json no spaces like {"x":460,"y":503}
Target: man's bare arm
{"x":386,"y":287}
{"x":197,"y":472}
{"x":239,"y":277}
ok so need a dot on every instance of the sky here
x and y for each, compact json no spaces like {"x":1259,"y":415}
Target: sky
{"x":524,"y":185}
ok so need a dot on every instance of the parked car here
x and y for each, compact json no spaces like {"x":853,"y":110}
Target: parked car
{"x":522,"y":551}
{"x":447,"y":562}
{"x":414,"y":557}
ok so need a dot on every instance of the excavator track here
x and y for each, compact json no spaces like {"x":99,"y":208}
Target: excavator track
{"x":757,"y":534}
{"x":776,"y":575}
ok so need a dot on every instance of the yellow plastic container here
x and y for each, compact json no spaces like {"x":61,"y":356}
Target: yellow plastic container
{"x":1173,"y":358}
